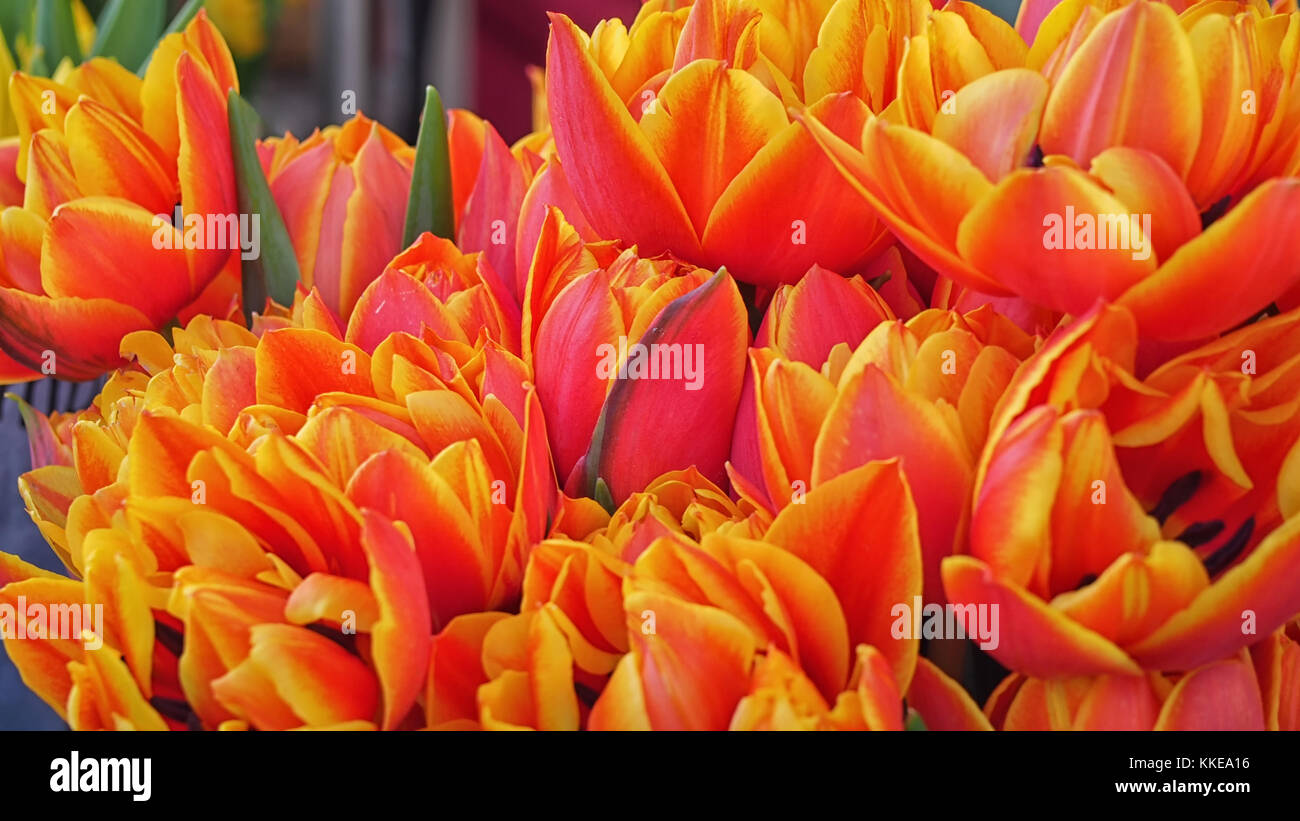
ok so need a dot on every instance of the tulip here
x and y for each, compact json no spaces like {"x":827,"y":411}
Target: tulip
{"x":602,"y":338}
{"x":263,"y":484}
{"x":1059,"y":538}
{"x":1163,"y":187}
{"x":923,"y":391}
{"x":342,"y":192}
{"x":101,"y":156}
{"x":712,"y":169}
{"x":1253,"y":690}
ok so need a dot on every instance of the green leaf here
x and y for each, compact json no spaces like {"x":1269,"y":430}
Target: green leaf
{"x":274,"y":270}
{"x":914,"y":721}
{"x":128,"y":30}
{"x":16,"y":19}
{"x":603,"y":497}
{"x":178,"y":23}
{"x":56,"y":33}
{"x":430,"y":205}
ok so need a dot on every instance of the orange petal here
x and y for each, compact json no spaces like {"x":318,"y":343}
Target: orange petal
{"x":111,"y":156}
{"x":319,"y":681}
{"x":1033,"y":638}
{"x":294,"y":366}
{"x":456,"y":669}
{"x":1147,"y":185}
{"x":875,"y":417}
{"x":1060,"y":221}
{"x":694,"y":667}
{"x":994,"y":120}
{"x":117,"y":240}
{"x":205,"y":168}
{"x":83,"y":334}
{"x":871,"y":558}
{"x":922,"y":187}
{"x":789,"y":208}
{"x":709,"y":326}
{"x":400,"y":638}
{"x":708,"y":122}
{"x":1117,"y":90}
{"x":1220,"y":696}
{"x":584,"y":316}
{"x":1263,"y":587}
{"x":1189,"y":298}
{"x":623,"y":188}
{"x":942,"y":702}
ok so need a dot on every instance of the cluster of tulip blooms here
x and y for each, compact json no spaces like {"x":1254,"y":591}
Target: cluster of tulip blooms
{"x":789,"y":318}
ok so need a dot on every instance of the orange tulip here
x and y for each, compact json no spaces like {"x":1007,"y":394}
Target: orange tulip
{"x":614,"y":345}
{"x":101,"y":155}
{"x":702,"y":159}
{"x":1255,"y":690}
{"x":342,"y":192}
{"x":922,"y":391}
{"x":1058,"y":538}
{"x":1133,"y":160}
{"x":247,"y":487}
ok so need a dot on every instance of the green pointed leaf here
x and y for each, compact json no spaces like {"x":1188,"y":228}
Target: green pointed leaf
{"x":129,"y":29}
{"x":430,"y":205}
{"x":914,"y":722}
{"x":274,"y":271}
{"x":16,"y":19}
{"x":603,"y":497}
{"x":178,"y":23}
{"x":56,"y":33}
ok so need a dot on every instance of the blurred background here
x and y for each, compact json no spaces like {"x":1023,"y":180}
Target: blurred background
{"x":297,"y":59}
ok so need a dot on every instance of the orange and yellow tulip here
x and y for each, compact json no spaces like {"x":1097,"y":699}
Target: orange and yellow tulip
{"x":1144,"y":130}
{"x":613,"y":345}
{"x":922,"y":391}
{"x":1059,"y":540}
{"x":101,"y":155}
{"x":342,"y":192}
{"x":1247,"y":691}
{"x":702,"y":160}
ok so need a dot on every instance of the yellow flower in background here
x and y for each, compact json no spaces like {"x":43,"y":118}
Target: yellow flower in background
{"x":243,"y":23}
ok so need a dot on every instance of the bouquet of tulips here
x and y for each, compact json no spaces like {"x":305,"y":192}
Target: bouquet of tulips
{"x":807,"y":355}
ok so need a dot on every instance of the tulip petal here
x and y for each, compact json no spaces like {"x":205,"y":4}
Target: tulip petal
{"x":709,"y":324}
{"x":82,"y":334}
{"x":1189,"y":298}
{"x":1264,"y":586}
{"x":1034,"y":638}
{"x":858,"y":531}
{"x":1117,"y":84}
{"x":942,"y":702}
{"x":789,"y":208}
{"x":1057,"y":220}
{"x":623,"y":188}
{"x":401,"y":635}
{"x":1220,"y":696}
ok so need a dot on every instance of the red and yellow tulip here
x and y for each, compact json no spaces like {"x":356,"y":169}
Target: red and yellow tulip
{"x":696,"y":155}
{"x":1247,"y":691}
{"x":1061,"y":540}
{"x":101,"y":154}
{"x":1165,"y":141}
